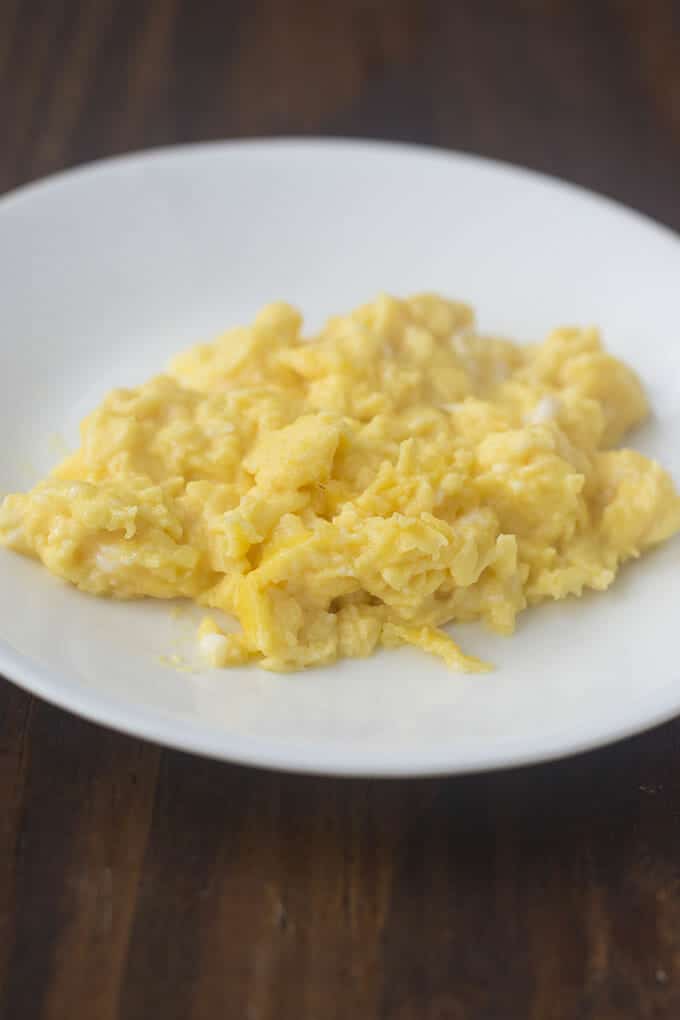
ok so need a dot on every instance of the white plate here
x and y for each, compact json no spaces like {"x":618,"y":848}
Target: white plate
{"x":109,"y":270}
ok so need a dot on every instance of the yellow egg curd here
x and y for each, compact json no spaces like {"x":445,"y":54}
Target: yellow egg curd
{"x":395,"y":473}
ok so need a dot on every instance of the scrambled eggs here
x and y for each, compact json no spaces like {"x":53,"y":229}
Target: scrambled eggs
{"x":397,"y":473}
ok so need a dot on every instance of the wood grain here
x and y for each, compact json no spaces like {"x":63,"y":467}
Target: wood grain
{"x":136,"y":882}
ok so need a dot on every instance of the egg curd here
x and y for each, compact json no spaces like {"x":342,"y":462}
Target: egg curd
{"x":396,"y":473}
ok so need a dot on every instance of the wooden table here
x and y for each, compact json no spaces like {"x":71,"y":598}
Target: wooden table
{"x":138,"y":883}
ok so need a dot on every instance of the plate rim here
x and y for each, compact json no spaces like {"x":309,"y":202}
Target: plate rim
{"x":413,"y":149}
{"x":275,"y":755}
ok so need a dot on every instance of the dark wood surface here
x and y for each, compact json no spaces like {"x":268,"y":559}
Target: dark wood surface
{"x":138,"y":883}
